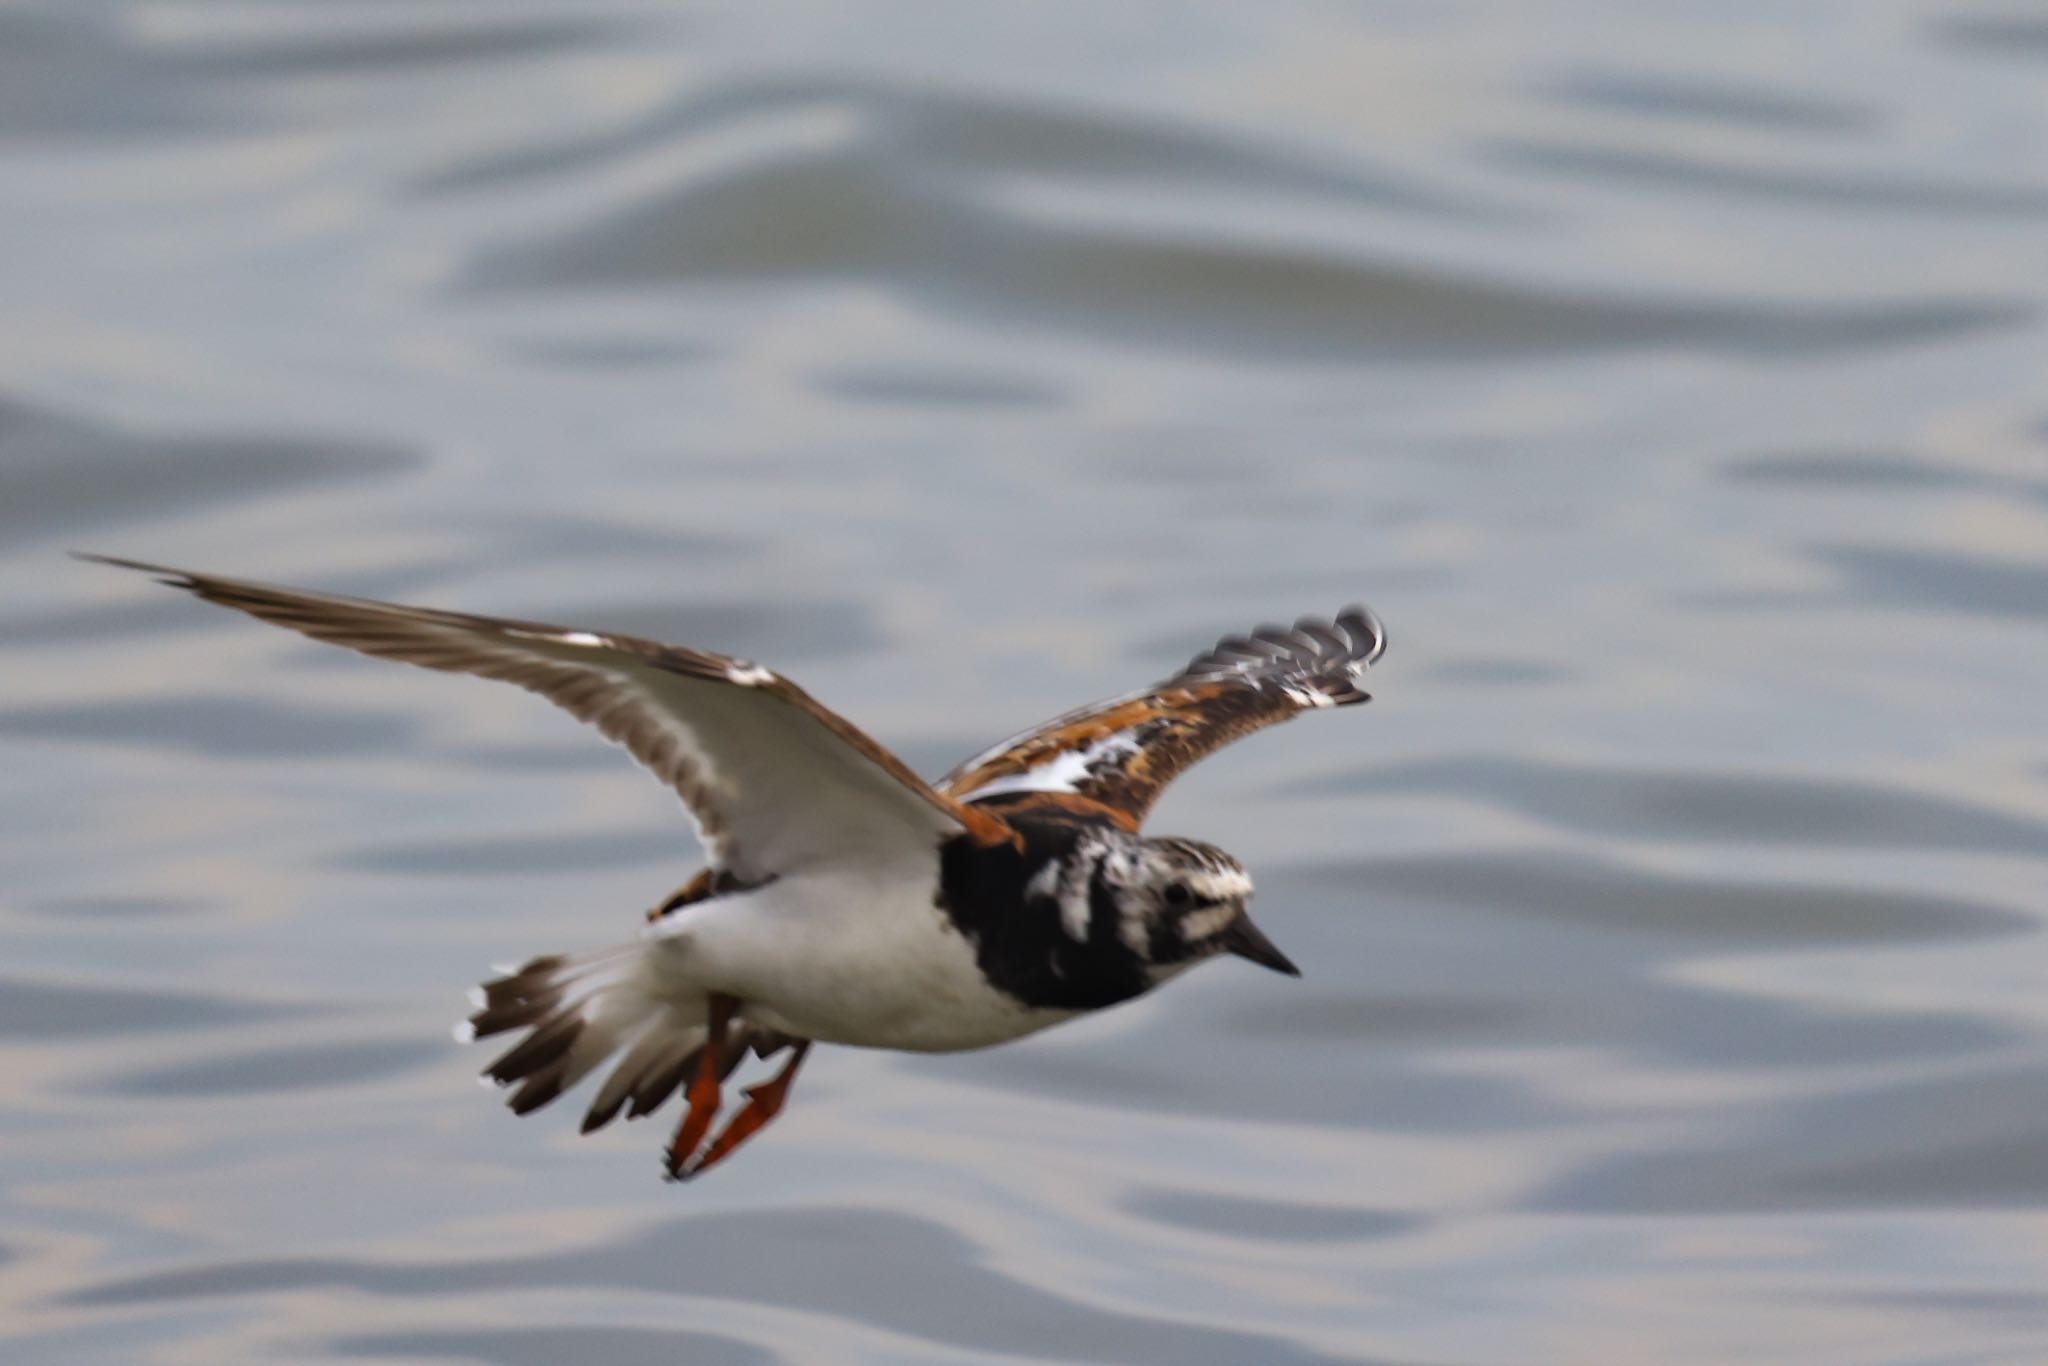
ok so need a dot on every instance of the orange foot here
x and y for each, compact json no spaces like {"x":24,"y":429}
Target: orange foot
{"x":764,"y":1102}
{"x":705,"y":1089}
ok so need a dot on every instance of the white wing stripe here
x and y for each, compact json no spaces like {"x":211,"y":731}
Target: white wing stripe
{"x":1064,"y":771}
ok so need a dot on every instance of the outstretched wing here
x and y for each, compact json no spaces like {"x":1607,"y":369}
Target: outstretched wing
{"x":1123,"y":752}
{"x":774,"y":780}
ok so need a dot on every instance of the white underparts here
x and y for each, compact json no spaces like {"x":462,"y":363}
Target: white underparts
{"x":852,"y":956}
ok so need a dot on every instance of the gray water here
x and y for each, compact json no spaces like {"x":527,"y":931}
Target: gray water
{"x":1672,"y":377}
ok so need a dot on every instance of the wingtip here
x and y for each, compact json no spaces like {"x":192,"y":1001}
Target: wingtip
{"x":94,"y":557}
{"x":164,"y":573}
{"x":1370,"y":630}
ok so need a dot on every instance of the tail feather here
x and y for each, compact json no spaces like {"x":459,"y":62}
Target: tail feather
{"x":653,"y":1087}
{"x":579,"y":1010}
{"x":654,"y":1049}
{"x":541,"y":1048}
{"x":531,"y":992}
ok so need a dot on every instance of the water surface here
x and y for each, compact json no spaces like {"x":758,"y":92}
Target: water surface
{"x":1671,"y":382}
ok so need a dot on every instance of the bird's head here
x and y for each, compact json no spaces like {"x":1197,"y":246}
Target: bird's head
{"x":1180,"y":901}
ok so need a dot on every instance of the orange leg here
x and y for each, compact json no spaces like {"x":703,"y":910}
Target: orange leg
{"x":704,"y":1089}
{"x":764,"y":1102}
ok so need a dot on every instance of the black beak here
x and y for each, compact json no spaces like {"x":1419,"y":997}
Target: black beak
{"x":1247,"y":940}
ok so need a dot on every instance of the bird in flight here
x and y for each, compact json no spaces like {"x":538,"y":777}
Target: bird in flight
{"x":845,"y":899}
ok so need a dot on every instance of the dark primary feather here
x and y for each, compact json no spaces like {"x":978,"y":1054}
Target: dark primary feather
{"x":1311,"y":647}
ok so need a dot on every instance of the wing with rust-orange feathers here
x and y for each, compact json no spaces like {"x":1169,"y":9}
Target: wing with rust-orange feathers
{"x":1121,"y":753}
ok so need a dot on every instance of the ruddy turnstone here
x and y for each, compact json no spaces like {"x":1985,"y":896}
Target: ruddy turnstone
{"x":846,"y":900}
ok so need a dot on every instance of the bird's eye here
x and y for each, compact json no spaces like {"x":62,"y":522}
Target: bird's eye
{"x":1177,"y":894}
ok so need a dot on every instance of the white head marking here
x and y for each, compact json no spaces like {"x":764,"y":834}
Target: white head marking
{"x":1207,"y":921}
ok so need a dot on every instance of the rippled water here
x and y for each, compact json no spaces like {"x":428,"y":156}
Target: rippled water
{"x":1669,"y":377}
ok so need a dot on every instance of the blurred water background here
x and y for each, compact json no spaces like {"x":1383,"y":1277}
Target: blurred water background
{"x":1672,"y":377}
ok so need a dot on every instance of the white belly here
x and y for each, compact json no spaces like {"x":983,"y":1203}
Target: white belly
{"x":864,"y":959}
